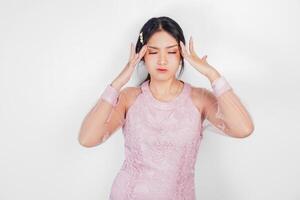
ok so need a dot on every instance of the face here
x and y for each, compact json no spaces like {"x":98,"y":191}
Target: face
{"x":162,"y":52}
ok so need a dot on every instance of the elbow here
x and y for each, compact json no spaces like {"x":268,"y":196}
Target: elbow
{"x":86,"y":143}
{"x":92,"y":141}
{"x":81,"y":138}
{"x":86,"y":137}
{"x":246,"y":132}
{"x":241,"y":133}
{"x":83,"y":142}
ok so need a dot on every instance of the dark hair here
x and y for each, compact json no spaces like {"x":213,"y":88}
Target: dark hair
{"x":157,"y":24}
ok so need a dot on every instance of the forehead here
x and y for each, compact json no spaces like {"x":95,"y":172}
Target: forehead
{"x":161,"y":40}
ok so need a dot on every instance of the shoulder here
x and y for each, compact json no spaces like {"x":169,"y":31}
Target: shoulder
{"x":130,"y":91}
{"x":196,"y":96}
{"x":130,"y":94}
{"x":202,"y":97}
{"x":202,"y":93}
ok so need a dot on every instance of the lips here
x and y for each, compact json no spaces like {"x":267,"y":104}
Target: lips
{"x":161,"y":69}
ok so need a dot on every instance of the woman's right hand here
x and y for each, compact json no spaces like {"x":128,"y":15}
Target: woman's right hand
{"x":126,"y":73}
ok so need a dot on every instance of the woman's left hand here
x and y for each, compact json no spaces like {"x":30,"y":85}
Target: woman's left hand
{"x":200,"y":64}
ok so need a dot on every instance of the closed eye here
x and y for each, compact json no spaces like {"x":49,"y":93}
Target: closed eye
{"x":156,"y":52}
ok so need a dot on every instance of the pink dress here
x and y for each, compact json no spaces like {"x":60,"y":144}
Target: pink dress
{"x":162,"y":138}
{"x":161,"y":144}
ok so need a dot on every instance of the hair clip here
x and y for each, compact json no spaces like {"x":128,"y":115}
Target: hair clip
{"x":141,"y":37}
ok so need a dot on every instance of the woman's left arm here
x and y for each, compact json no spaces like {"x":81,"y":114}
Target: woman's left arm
{"x":222,"y":107}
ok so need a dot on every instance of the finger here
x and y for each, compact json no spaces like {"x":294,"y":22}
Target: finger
{"x":143,"y":51}
{"x":138,"y":56}
{"x":133,"y":58}
{"x":137,"y":59}
{"x":191,"y":46}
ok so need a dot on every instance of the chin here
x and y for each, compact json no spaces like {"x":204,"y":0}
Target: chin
{"x":161,"y":77}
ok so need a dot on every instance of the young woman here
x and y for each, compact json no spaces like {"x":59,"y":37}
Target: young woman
{"x":162,"y":118}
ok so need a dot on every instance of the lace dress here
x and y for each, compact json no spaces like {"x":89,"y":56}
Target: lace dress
{"x":162,"y":138}
{"x":161,"y":144}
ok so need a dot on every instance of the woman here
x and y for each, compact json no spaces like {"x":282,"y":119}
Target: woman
{"x":162,"y":118}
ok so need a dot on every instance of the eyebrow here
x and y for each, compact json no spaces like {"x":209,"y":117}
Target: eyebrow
{"x":165,"y":47}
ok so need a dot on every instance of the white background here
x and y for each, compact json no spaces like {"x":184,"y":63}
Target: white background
{"x":56,"y":58}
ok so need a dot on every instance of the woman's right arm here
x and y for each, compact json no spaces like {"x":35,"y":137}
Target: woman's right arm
{"x":108,"y":114}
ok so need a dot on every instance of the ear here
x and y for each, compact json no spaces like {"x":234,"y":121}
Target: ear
{"x":180,"y":50}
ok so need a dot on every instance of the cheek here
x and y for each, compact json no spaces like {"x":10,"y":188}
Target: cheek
{"x":150,"y":61}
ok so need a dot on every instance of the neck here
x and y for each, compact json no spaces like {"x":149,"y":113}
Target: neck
{"x":165,"y":87}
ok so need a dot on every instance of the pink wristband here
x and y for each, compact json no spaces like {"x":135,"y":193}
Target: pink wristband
{"x":220,"y":86}
{"x":110,"y":95}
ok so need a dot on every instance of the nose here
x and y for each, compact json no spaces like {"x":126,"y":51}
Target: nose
{"x":162,"y":59}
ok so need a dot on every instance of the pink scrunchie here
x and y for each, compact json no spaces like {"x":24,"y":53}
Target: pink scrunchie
{"x":220,"y":86}
{"x":110,"y":95}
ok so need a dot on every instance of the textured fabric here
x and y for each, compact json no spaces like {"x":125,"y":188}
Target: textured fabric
{"x":110,"y":94}
{"x":162,"y":138}
{"x":224,"y":111}
{"x":161,"y":144}
{"x":220,"y":86}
